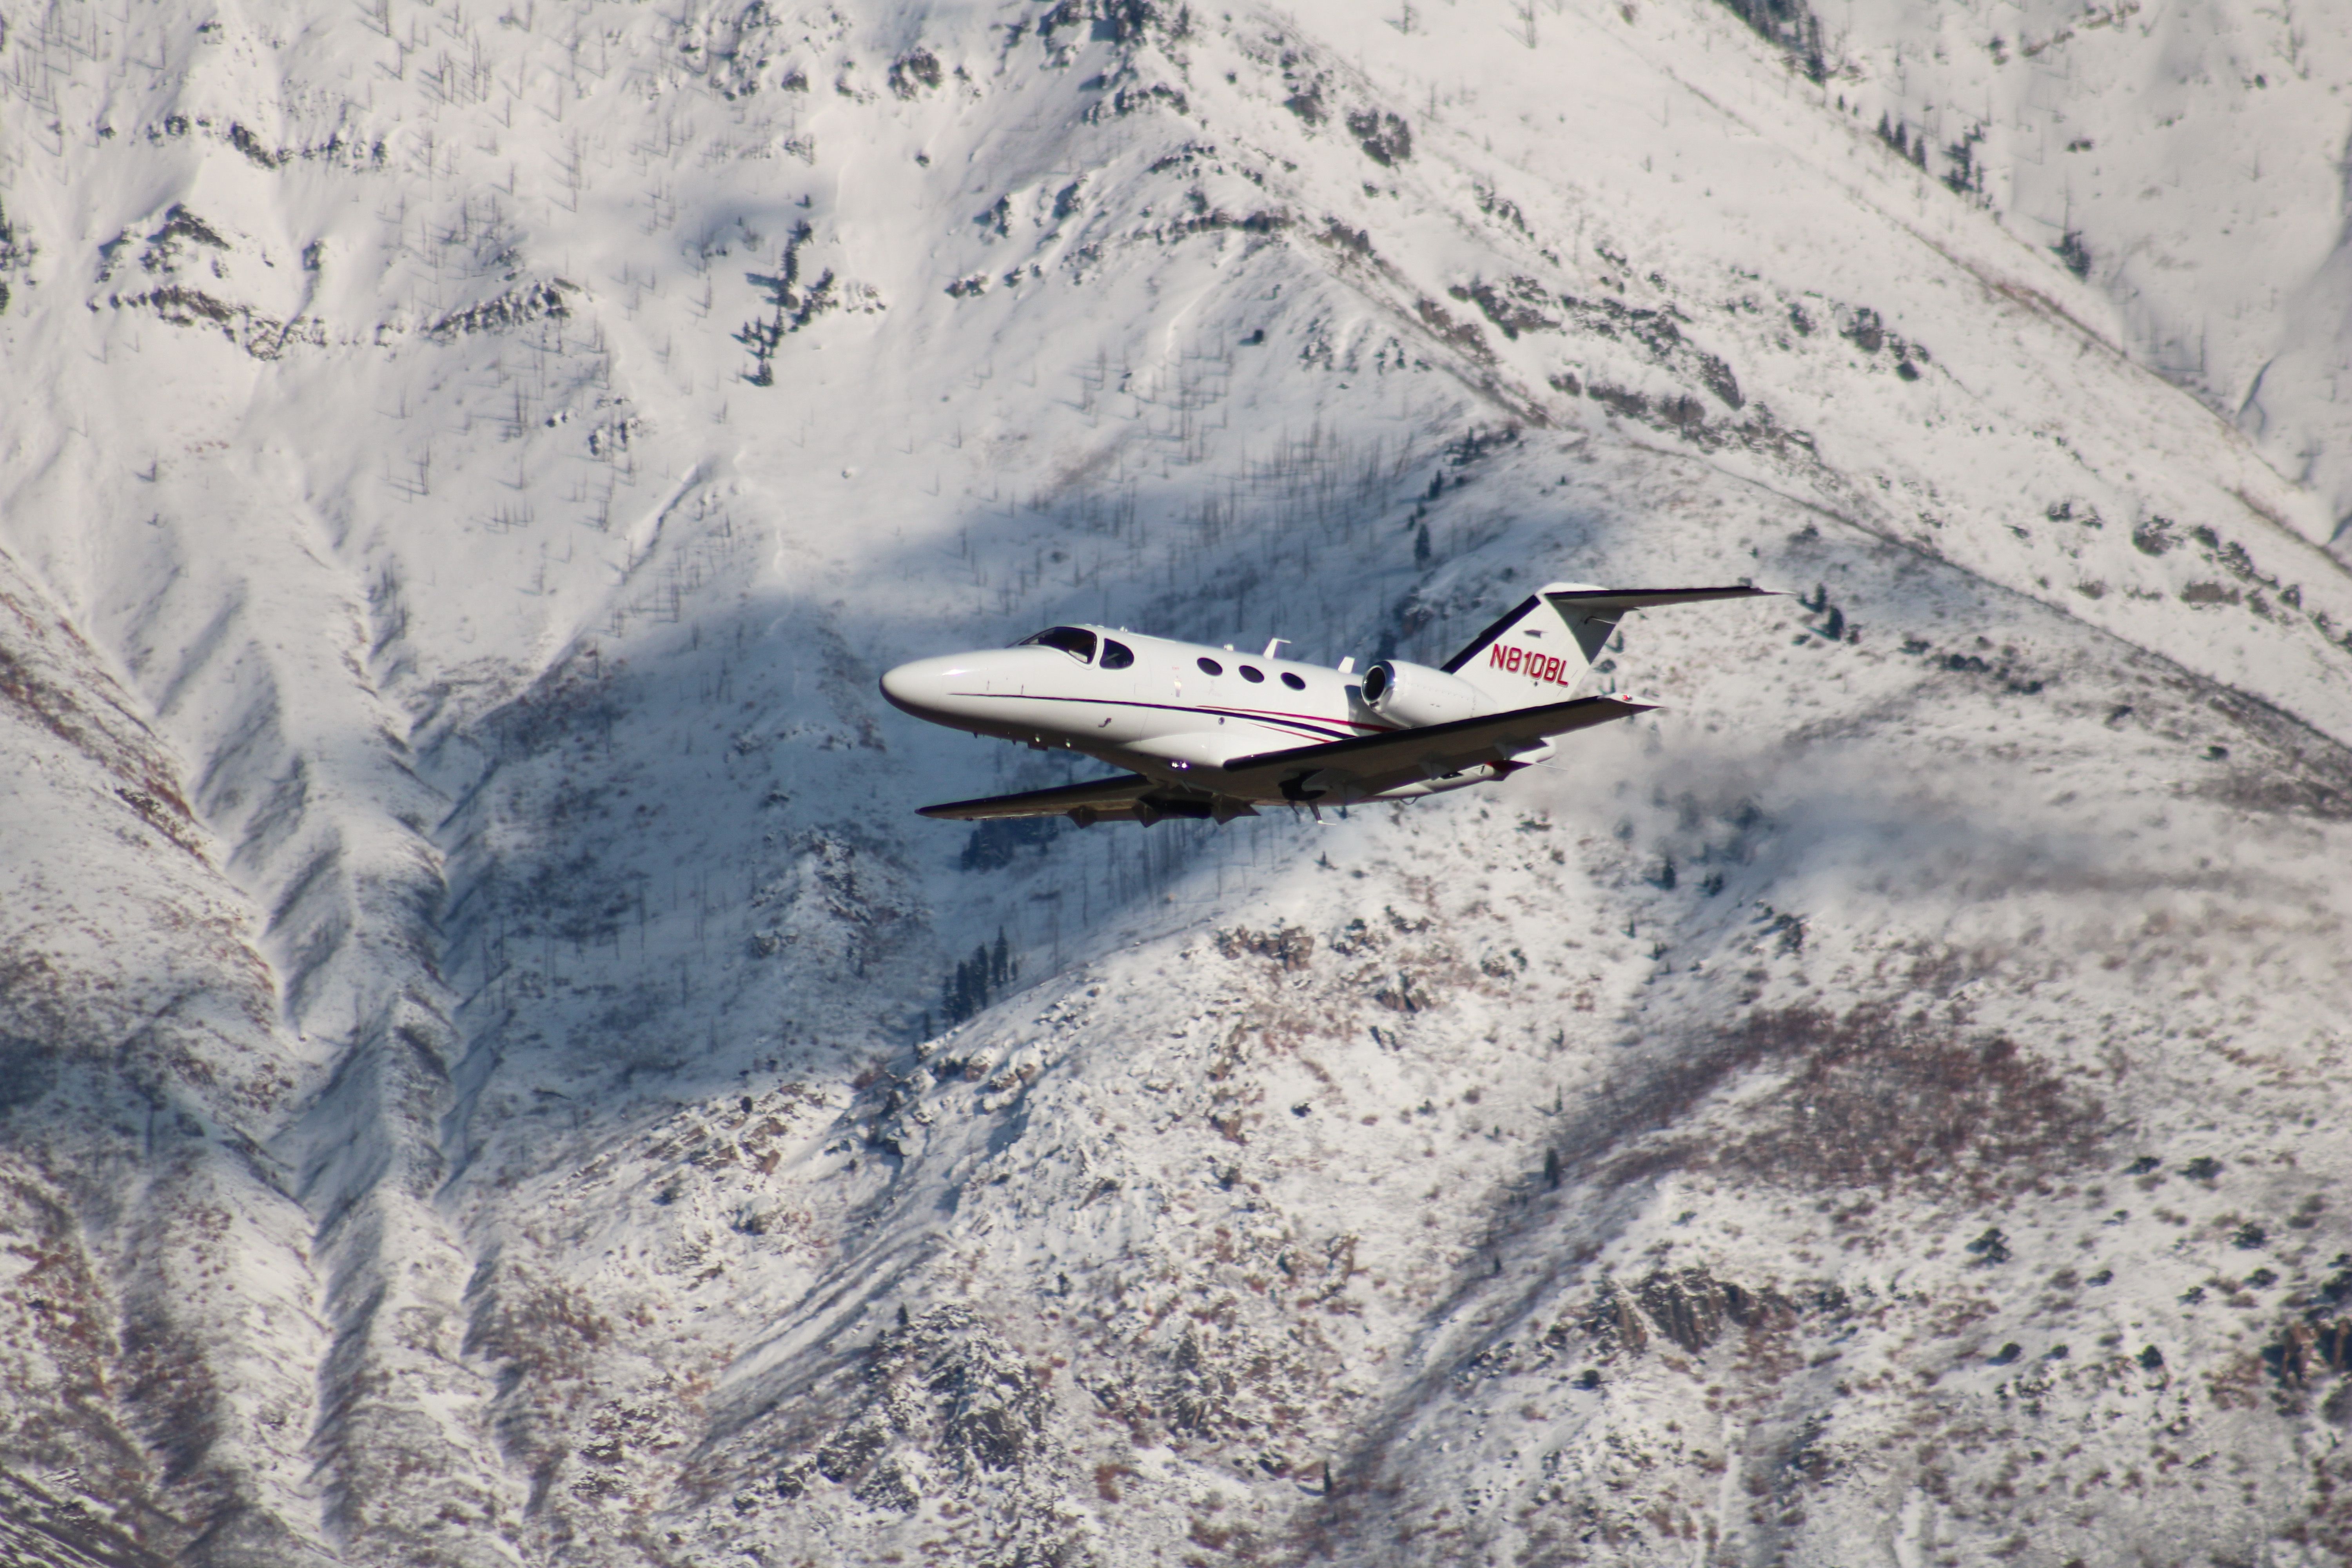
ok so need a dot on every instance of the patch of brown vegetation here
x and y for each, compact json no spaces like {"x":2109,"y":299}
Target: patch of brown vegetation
{"x":1880,"y":1100}
{"x":35,"y":678}
{"x":544,"y":1327}
{"x":1874,"y":1098}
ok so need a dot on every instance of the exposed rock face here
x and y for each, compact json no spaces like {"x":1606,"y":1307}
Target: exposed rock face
{"x":944,"y":1413}
{"x":1693,"y":1309}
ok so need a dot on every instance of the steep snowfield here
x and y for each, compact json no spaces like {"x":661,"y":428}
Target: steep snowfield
{"x":159,"y":1301}
{"x":480,"y":1084}
{"x":2186,"y":159}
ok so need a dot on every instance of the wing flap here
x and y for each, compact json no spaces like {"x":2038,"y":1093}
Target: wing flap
{"x":1435,"y":749}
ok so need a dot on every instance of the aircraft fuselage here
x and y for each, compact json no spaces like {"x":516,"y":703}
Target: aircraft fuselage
{"x":1170,"y":710}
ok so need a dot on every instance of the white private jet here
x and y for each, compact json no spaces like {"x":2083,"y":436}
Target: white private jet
{"x":1207,"y":732}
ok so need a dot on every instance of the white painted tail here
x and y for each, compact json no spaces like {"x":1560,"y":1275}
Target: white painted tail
{"x":1539,"y":651}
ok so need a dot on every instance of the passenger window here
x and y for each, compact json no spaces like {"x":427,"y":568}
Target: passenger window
{"x":1289,"y":680}
{"x":1209,"y":666}
{"x":1077,"y":642}
{"x":1252,"y":676}
{"x":1117,"y":655}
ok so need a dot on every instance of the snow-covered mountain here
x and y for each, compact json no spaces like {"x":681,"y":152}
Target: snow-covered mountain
{"x":492,"y":1071}
{"x":2186,"y":159}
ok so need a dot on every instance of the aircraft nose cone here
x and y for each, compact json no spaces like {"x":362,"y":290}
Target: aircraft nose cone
{"x":920,"y":687}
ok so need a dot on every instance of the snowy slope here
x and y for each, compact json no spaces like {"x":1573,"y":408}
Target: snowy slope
{"x":2185,"y":158}
{"x":483,"y":463}
{"x":158,"y":1310}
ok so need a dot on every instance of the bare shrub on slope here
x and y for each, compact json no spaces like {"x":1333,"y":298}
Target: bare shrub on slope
{"x":1870,"y":1098}
{"x":1879,"y":1100}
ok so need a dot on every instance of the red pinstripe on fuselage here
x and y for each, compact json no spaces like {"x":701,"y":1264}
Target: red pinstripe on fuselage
{"x":1157,"y":716}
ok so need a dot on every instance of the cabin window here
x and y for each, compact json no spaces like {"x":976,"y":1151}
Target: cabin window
{"x":1253,"y":676}
{"x":1075,"y":641}
{"x":1292,"y":681}
{"x":1117,"y":655}
{"x":1209,"y":666}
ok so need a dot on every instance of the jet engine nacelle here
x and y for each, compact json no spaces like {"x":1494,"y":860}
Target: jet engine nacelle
{"x":1415,"y":694}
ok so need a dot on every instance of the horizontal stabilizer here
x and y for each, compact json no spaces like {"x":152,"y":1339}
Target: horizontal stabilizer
{"x":1614,"y":602}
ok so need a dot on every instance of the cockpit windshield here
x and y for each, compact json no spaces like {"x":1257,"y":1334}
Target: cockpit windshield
{"x":1077,"y":642}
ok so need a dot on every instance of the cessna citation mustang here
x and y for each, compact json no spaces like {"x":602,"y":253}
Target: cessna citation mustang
{"x":1207,"y":732}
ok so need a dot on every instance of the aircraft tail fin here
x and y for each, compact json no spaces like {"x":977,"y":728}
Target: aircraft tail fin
{"x":1543,"y":645}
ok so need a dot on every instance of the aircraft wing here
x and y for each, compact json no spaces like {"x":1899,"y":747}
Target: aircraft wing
{"x":1111,"y":797}
{"x":1404,"y":757}
{"x":1129,"y":797}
